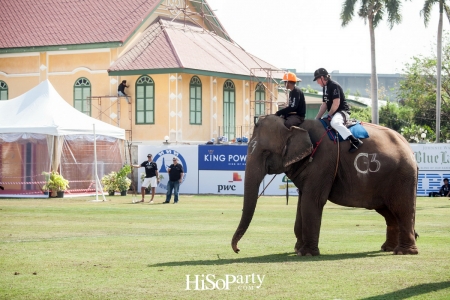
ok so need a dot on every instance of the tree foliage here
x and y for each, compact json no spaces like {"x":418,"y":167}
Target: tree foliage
{"x":395,"y":116}
{"x":361,"y":114}
{"x":417,"y":90}
{"x":427,"y":7}
{"x":373,"y":9}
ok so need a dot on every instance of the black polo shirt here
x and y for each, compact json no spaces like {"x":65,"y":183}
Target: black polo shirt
{"x":332,"y":91}
{"x":150,"y":168}
{"x":175,"y":172}
{"x":296,"y":103}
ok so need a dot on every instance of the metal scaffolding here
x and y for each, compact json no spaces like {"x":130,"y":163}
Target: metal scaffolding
{"x":269,"y":86}
{"x":109,"y":110}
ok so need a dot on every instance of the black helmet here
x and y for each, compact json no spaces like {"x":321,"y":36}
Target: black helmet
{"x":320,"y":72}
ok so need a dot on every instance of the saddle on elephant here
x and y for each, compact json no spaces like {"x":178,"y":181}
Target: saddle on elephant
{"x":355,"y":127}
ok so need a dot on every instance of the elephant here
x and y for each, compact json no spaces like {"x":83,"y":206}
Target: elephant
{"x":381,"y":175}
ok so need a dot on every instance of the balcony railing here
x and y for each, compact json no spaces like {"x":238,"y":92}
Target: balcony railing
{"x":232,"y":133}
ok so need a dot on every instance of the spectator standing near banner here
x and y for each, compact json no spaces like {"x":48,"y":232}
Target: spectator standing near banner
{"x":151,"y":176}
{"x":176,"y":174}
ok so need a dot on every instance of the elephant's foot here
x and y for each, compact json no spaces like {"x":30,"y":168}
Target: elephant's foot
{"x":298,"y":246}
{"x":304,"y":251}
{"x":403,"y":251}
{"x":388,"y":246}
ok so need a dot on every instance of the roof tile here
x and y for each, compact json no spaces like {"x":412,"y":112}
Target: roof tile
{"x":30,"y":23}
{"x":170,"y":44}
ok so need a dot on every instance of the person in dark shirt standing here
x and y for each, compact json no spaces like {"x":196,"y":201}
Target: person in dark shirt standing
{"x":338,"y":110}
{"x":151,"y":176}
{"x":176,"y":174}
{"x":294,"y":113}
{"x":121,"y":90}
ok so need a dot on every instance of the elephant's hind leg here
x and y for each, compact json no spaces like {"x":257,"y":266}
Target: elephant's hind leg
{"x":407,"y":236}
{"x":400,"y":226}
{"x":392,"y":230}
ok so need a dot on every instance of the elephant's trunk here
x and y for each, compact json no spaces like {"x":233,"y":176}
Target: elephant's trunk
{"x":251,"y":187}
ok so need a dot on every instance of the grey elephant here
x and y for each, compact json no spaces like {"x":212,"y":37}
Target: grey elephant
{"x":382,"y":175}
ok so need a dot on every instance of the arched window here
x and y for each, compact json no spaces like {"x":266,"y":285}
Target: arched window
{"x":145,"y":100}
{"x":195,"y":103}
{"x":81,"y":94}
{"x":260,"y":96}
{"x":3,"y":90}
{"x":229,"y":109}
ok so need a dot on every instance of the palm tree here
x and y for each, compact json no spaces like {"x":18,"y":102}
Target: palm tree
{"x":373,"y":12}
{"x":426,"y":17}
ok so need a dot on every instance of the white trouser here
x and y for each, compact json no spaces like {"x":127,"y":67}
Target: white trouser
{"x":337,"y":122}
{"x":151,"y":181}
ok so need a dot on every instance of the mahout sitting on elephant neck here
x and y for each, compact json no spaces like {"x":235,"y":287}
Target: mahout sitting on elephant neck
{"x":369,"y":178}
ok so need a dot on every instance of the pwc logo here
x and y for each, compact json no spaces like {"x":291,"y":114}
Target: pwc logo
{"x":230,"y":187}
{"x":236,"y":177}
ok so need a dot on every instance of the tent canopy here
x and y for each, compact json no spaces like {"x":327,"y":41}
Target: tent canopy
{"x":43,"y":110}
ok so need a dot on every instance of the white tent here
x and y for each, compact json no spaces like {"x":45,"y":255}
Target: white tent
{"x":41,"y":132}
{"x":43,"y":110}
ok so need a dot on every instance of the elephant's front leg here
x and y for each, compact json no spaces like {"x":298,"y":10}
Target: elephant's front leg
{"x":298,"y":225}
{"x":308,"y":221}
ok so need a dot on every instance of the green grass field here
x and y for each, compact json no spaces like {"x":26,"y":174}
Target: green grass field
{"x":74,"y":248}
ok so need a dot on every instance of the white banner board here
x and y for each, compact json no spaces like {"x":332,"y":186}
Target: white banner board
{"x":433,"y":157}
{"x":433,"y":161}
{"x":220,"y":169}
{"x":277,"y":186}
{"x":162,"y":155}
{"x":221,"y":182}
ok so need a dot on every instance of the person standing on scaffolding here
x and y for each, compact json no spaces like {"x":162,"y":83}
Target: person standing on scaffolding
{"x":294,"y":113}
{"x":121,"y":90}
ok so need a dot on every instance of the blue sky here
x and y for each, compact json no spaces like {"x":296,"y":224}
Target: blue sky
{"x":307,"y":34}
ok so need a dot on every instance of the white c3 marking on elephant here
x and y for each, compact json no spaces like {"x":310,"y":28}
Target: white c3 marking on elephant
{"x":253,"y":146}
{"x":372,"y":160}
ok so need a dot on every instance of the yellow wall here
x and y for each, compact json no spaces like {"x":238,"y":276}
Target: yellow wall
{"x":19,"y":64}
{"x":23,"y":72}
{"x":69,"y":62}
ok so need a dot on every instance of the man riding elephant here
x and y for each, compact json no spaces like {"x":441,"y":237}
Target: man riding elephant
{"x":338,"y":110}
{"x":294,"y":113}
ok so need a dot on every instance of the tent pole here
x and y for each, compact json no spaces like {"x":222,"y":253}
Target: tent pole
{"x":95,"y":164}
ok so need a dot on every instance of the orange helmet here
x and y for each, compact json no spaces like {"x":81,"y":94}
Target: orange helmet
{"x":289,"y":76}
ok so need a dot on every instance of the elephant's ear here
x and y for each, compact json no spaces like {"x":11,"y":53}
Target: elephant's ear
{"x":298,"y":146}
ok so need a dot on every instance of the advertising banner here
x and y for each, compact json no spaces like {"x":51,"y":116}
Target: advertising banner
{"x":222,"y":157}
{"x":433,"y":157}
{"x":162,"y":155}
{"x":430,"y":181}
{"x":434,"y":165}
{"x":277,"y":186}
{"x":221,"y":182}
{"x":220,"y":169}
